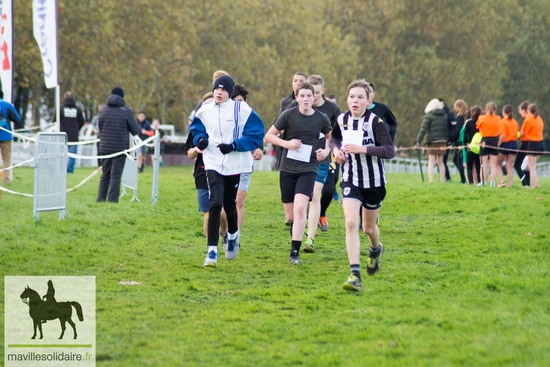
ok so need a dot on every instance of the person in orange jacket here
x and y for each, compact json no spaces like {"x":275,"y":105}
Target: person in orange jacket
{"x":531,"y":130}
{"x":488,"y":128}
{"x":508,"y":134}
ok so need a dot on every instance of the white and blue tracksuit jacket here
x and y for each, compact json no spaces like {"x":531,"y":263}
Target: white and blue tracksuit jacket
{"x":225,"y":123}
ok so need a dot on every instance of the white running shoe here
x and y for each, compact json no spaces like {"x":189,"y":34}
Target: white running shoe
{"x":233,"y":246}
{"x":211,"y":259}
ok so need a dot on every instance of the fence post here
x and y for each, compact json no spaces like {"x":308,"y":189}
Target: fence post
{"x":156,"y":165}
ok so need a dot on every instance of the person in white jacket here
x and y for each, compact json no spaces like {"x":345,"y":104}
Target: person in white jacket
{"x":226,"y":132}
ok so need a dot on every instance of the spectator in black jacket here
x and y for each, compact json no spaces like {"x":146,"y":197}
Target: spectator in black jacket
{"x":115,"y":121}
{"x":473,"y":166}
{"x":383,"y":111}
{"x":451,"y":122}
{"x":461,"y":109}
{"x":72,"y":120}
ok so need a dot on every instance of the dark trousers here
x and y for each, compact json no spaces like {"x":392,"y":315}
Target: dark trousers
{"x":110,"y":179}
{"x":447,"y":173}
{"x":223,"y":193}
{"x":327,"y":194}
{"x":523,"y":175}
{"x":472,"y":160}
{"x":458,"y":160}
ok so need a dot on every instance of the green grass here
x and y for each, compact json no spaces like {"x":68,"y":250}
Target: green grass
{"x":465,"y":278}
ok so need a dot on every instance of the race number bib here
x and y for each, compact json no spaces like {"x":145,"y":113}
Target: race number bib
{"x":303,"y":154}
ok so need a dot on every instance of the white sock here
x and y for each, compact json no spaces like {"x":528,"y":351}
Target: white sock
{"x":232,"y":236}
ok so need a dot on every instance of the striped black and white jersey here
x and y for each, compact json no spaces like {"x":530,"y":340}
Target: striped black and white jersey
{"x":364,"y":170}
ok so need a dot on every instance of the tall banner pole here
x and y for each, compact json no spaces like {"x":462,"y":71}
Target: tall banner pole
{"x":57,"y":109}
{"x":58,"y":91}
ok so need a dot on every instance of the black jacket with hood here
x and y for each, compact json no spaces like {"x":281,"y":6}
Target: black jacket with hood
{"x":71,"y":118}
{"x":115,"y":121}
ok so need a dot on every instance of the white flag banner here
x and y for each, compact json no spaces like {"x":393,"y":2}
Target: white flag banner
{"x":44,"y":15}
{"x":6,"y":41}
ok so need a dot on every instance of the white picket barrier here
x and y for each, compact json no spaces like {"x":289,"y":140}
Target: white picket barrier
{"x":50,"y":174}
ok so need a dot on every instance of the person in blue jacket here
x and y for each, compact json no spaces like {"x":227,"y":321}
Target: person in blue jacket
{"x":7,"y":113}
{"x":226,"y":132}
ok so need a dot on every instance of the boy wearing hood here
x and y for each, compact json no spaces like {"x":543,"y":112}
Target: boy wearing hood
{"x":71,"y":121}
{"x":115,"y":121}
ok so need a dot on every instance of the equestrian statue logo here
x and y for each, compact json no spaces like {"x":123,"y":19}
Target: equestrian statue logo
{"x":41,"y":311}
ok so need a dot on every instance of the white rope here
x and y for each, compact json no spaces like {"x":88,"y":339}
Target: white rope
{"x":136,"y":147}
{"x":83,"y":142}
{"x":15,"y":135}
{"x":17,"y":165}
{"x":15,"y":192}
{"x":85,"y":180}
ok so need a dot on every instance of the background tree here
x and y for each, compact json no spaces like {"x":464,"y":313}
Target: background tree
{"x":163,"y":53}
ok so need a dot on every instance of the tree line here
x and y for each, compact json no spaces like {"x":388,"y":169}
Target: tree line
{"x":163,"y":53}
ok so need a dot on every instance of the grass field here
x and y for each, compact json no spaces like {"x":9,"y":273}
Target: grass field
{"x":465,"y":278}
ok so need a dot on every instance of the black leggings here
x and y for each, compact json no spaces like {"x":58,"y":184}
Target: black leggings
{"x":327,"y":194}
{"x":223,"y":193}
{"x":472,"y":160}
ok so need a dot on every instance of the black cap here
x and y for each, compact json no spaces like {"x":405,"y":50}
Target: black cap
{"x":226,"y":82}
{"x":118,"y":91}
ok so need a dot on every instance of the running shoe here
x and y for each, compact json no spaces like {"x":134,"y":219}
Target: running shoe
{"x":323,"y":224}
{"x":287,"y":222}
{"x":308,"y":245}
{"x":233,"y":246}
{"x":373,"y":263}
{"x":295,"y":260}
{"x":353,"y":284}
{"x":211,"y":259}
{"x":502,"y":184}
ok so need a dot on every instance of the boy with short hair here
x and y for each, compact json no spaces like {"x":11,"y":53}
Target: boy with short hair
{"x":226,"y":131}
{"x":360,"y":142}
{"x":298,"y":78}
{"x":300,"y":159}
{"x":332,"y":111}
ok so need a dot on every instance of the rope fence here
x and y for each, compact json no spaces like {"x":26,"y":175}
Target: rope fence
{"x":138,"y":144}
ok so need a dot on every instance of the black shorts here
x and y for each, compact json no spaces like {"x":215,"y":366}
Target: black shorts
{"x":504,"y":148}
{"x":535,"y":147}
{"x":296,"y":183}
{"x":371,"y":199}
{"x":492,"y":142}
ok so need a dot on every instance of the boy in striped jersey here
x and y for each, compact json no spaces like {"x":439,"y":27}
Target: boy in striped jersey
{"x":360,"y":141}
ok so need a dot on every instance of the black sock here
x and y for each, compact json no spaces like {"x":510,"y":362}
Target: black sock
{"x":374,"y":252}
{"x":356,"y":270}
{"x":295,"y":250}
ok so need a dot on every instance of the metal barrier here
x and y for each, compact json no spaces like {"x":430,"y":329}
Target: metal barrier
{"x":130,"y":172}
{"x":50,"y":173}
